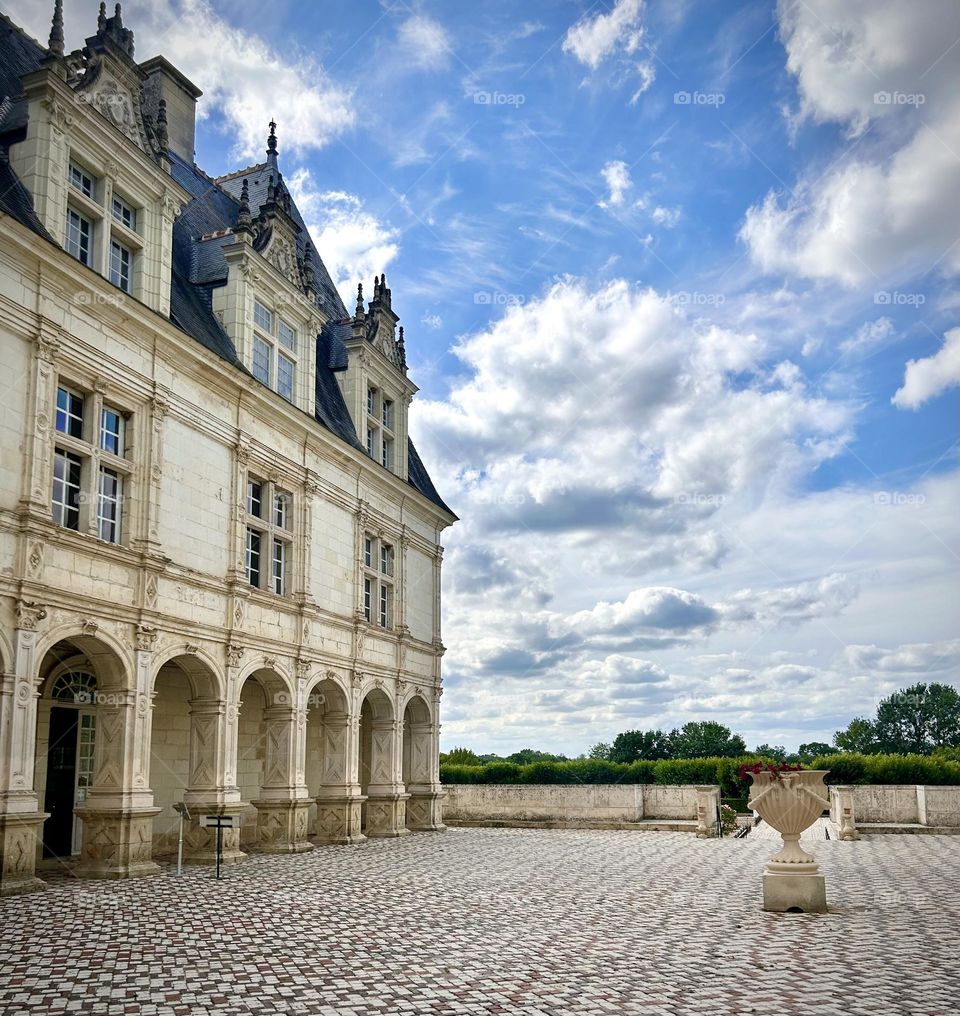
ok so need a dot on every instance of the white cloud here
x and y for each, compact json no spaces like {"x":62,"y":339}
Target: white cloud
{"x":869,"y":336}
{"x":433,"y":321}
{"x":916,"y":659}
{"x":241,"y":74}
{"x":889,"y":206}
{"x":616,"y":175}
{"x":423,"y":43}
{"x":667,"y":217}
{"x":353,"y":243}
{"x":925,"y":379}
{"x":618,"y":34}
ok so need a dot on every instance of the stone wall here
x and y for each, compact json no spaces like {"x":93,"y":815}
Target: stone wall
{"x":580,"y":804}
{"x":902,"y":805}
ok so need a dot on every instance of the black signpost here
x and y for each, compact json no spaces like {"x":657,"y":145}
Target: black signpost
{"x":219,"y":822}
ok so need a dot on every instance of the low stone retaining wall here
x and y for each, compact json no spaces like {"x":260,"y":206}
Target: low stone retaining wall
{"x":899,"y":808}
{"x":686,"y":808}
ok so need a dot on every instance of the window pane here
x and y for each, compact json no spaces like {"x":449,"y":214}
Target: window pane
{"x":124,"y":214}
{"x":262,"y":317}
{"x":386,"y":559}
{"x":255,"y":498}
{"x":281,"y":509}
{"x":261,"y":360}
{"x":368,"y":551}
{"x":69,"y":413}
{"x":384,"y":609}
{"x":386,"y":453}
{"x":367,"y":598}
{"x":387,"y":414}
{"x":121,"y":261}
{"x":287,"y":335}
{"x":79,"y":236}
{"x":82,"y":181}
{"x":279,"y":566}
{"x":371,"y":400}
{"x":253,"y":557}
{"x":111,"y":431}
{"x":65,"y":505}
{"x":370,"y":441}
{"x":285,"y":371}
{"x":108,"y":506}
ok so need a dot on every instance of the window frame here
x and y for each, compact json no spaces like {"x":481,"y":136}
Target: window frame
{"x":92,"y":514}
{"x":270,"y":516}
{"x":119,"y":251}
{"x":75,"y":248}
{"x":378,"y":586}
{"x":271,"y":330}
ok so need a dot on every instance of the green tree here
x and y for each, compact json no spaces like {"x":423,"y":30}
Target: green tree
{"x":635,"y":745}
{"x":600,"y":750}
{"x":461,"y":757}
{"x":812,"y":749}
{"x":527,"y":756}
{"x":706,"y":740}
{"x":919,"y":719}
{"x":774,"y":751}
{"x":860,"y":737}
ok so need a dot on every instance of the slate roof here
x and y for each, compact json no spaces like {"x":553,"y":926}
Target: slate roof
{"x":198,"y":264}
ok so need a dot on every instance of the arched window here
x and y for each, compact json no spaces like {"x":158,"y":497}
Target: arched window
{"x":76,"y":686}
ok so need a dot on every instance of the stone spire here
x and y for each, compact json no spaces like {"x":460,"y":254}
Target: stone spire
{"x":401,"y":350}
{"x":272,"y":145}
{"x":359,"y":299}
{"x":244,"y":223}
{"x":102,"y":19}
{"x":163,"y":140}
{"x":55,"y":45}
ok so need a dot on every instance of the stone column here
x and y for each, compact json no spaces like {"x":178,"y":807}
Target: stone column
{"x":708,"y":801}
{"x":386,"y":797}
{"x":340,"y":799}
{"x":283,"y":807}
{"x":424,"y":808}
{"x":841,"y":811}
{"x":118,"y":813}
{"x":212,"y":789}
{"x":21,"y":821}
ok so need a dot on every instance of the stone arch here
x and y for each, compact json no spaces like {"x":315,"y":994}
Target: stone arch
{"x":6,"y":653}
{"x":109,"y":657}
{"x":379,"y":764}
{"x":419,"y":764}
{"x":200,"y":669}
{"x":80,"y":739}
{"x":334,"y":814}
{"x":186,"y":737}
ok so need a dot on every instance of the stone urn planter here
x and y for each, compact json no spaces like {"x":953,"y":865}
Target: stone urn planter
{"x":790,"y":802}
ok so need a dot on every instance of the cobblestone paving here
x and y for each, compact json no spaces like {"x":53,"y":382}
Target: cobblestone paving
{"x":510,"y":921}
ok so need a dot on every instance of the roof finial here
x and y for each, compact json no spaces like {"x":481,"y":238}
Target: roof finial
{"x":272,"y":139}
{"x":55,"y":45}
{"x":102,"y":18}
{"x":402,"y":350}
{"x":163,"y":140}
{"x":118,"y":14}
{"x":244,"y":225}
{"x":359,"y":299}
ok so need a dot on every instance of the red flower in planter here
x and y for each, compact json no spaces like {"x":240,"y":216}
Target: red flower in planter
{"x":775,"y":769}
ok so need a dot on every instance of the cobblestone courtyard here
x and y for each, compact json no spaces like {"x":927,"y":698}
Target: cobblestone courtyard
{"x":478,"y":921}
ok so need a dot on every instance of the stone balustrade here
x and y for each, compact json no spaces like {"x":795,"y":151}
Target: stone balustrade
{"x":894,"y":809}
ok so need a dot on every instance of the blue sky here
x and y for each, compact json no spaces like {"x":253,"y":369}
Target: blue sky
{"x":679,"y":288}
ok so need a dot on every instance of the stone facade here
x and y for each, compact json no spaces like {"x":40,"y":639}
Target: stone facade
{"x":142,"y":667}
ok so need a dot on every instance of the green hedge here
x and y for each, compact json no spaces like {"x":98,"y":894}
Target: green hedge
{"x":845,"y":768}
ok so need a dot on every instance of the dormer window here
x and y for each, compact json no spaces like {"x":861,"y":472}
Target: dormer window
{"x":276,"y":369}
{"x":380,"y":425}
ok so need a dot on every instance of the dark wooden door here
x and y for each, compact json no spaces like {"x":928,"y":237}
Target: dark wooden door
{"x":61,"y":783}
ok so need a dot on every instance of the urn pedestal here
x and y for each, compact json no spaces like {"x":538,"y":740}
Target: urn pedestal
{"x":790,"y":804}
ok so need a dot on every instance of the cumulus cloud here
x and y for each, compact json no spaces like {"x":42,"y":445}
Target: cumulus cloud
{"x":913,"y":659}
{"x":889,"y":208}
{"x":869,"y":336}
{"x":353,"y":243}
{"x":925,"y":379}
{"x":805,"y":601}
{"x":242,"y":76}
{"x":619,"y":34}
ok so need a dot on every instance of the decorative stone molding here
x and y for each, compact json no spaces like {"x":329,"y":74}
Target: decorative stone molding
{"x":191,"y":647}
{"x":89,"y":626}
{"x":145,"y":638}
{"x":30,"y":614}
{"x":234,"y":655}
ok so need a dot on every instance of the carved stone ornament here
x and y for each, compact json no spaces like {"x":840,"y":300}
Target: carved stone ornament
{"x":303,"y":668}
{"x":89,"y":627}
{"x":234,"y":655}
{"x":29,"y":614}
{"x":191,"y":647}
{"x":146,"y":637}
{"x":115,"y":103}
{"x":57,"y":114}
